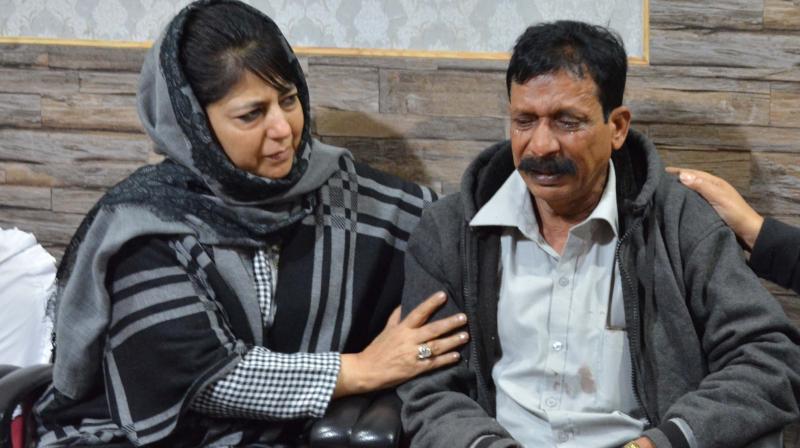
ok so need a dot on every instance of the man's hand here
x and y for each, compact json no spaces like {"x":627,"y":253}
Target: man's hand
{"x":644,"y":442}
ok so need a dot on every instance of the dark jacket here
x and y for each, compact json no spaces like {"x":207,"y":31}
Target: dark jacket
{"x":708,"y":343}
{"x":776,"y":254}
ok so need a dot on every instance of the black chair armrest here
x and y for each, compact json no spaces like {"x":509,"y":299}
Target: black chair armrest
{"x":334,"y":429}
{"x":5,"y":369}
{"x":379,"y":425}
{"x":371,"y":421}
{"x":16,"y":387}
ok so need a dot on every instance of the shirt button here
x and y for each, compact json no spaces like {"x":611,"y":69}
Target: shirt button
{"x":563,"y":436}
{"x":557,"y":346}
{"x":551,"y":402}
{"x":563,"y":281}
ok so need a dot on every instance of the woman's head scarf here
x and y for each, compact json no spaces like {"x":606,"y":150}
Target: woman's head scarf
{"x":197,"y":190}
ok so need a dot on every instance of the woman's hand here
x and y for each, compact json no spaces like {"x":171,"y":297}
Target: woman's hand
{"x":391,"y":358}
{"x":732,"y":208}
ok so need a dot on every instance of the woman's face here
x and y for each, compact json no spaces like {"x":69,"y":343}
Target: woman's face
{"x":258,"y":126}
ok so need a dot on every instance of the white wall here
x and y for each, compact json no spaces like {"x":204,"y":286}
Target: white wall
{"x":446,"y":25}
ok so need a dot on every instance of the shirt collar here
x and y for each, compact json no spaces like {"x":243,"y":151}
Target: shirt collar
{"x":511,"y":206}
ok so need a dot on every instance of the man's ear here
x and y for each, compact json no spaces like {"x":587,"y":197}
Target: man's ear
{"x":619,"y":120}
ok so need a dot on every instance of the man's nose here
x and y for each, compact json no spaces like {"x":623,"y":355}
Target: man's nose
{"x":543,"y":141}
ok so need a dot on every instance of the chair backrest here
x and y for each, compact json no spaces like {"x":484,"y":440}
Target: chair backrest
{"x":20,"y":387}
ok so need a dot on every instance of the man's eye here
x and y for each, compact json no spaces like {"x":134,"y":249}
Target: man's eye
{"x":523,"y":122}
{"x":289,"y":101}
{"x":565,"y":123}
{"x":250,"y":116}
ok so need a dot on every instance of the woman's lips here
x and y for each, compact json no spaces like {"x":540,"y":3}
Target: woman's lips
{"x":279,"y":156}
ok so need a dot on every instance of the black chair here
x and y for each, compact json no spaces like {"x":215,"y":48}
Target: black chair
{"x":20,"y":387}
{"x":369,"y":421}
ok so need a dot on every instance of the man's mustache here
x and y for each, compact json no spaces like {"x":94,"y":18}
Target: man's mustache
{"x":547,"y":165}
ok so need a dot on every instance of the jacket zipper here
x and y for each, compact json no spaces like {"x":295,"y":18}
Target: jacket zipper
{"x":472,"y":315}
{"x":633,"y":332}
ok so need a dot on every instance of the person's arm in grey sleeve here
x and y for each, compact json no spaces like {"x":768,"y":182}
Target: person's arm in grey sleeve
{"x":436,"y":410}
{"x":752,"y":352}
{"x":776,"y":254}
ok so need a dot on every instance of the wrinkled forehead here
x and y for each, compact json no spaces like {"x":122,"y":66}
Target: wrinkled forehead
{"x":560,"y":88}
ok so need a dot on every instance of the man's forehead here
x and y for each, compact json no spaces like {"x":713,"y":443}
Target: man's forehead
{"x":562,"y":85}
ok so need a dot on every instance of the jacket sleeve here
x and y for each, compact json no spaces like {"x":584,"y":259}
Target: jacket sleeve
{"x":776,"y":254}
{"x":751,"y":348}
{"x":437,"y":408}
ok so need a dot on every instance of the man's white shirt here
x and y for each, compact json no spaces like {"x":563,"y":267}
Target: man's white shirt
{"x":564,"y":378}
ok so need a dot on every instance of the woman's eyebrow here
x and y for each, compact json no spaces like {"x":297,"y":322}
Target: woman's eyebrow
{"x":248,"y":105}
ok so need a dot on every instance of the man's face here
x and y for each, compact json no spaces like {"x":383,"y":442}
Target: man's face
{"x":560,"y":142}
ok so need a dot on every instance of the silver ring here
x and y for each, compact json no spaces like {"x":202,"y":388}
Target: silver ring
{"x":424,"y":351}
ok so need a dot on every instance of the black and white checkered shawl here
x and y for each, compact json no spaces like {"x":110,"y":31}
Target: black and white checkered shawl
{"x":184,"y":314}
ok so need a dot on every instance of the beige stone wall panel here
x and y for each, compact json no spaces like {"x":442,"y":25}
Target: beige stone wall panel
{"x":70,"y":200}
{"x":61,"y":147}
{"x":738,"y":138}
{"x":336,"y":123}
{"x":80,"y":175}
{"x":96,"y":58}
{"x":25,"y":197}
{"x":50,"y":228}
{"x":13,"y":55}
{"x":782,"y":14}
{"x":731,"y":165}
{"x":444,"y":93}
{"x":785,"y":101}
{"x":346,"y":88}
{"x":669,"y":105}
{"x":723,"y":48}
{"x":108,"y":82}
{"x":20,"y":110}
{"x":38,"y":81}
{"x":728,"y":14}
{"x":89,"y":111}
{"x":789,"y":74}
{"x":775,"y":186}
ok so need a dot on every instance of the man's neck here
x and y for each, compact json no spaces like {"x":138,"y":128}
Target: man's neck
{"x":555,"y":222}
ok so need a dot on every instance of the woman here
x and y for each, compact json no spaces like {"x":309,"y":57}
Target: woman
{"x":774,"y":246}
{"x":226,"y":295}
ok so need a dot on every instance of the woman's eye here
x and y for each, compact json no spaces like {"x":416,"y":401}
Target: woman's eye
{"x":250,"y":116}
{"x":289,"y":101}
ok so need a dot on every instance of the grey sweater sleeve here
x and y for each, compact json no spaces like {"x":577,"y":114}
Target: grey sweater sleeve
{"x":437,"y":408}
{"x":776,"y":254}
{"x":753,"y":360}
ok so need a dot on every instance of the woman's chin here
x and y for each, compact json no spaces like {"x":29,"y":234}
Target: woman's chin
{"x":274,"y":171}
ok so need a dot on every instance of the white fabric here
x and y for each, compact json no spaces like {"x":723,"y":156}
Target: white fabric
{"x":27,"y":273}
{"x":265,"y":269}
{"x":564,"y":378}
{"x":273,"y":386}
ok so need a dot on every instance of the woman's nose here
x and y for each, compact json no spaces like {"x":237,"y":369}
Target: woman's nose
{"x":277,"y":125}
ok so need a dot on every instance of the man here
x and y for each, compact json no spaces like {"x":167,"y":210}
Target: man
{"x":607,"y":304}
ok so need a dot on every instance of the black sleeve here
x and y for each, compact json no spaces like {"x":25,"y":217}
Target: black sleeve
{"x":776,"y":254}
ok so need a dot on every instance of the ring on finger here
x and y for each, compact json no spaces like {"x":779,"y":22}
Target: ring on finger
{"x":424,"y":351}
